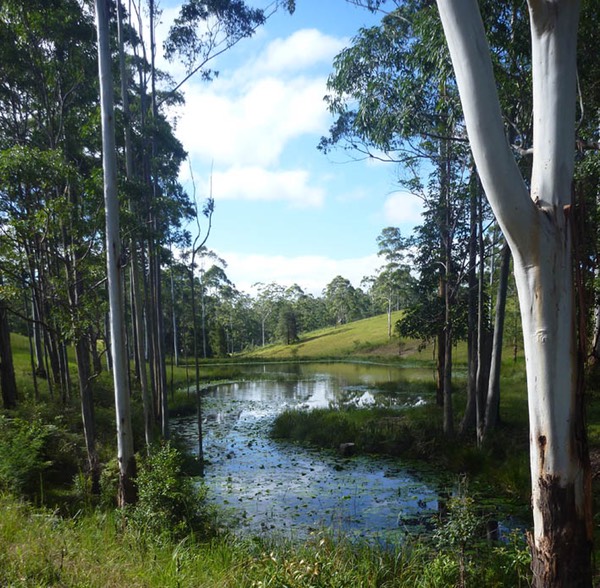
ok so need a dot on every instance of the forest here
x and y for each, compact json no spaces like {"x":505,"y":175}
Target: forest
{"x":113,"y":307}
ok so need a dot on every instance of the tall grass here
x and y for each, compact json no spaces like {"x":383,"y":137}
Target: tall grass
{"x":97,"y":549}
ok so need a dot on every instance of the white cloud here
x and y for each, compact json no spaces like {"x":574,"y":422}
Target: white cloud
{"x":403,"y":208}
{"x":251,"y":125}
{"x":248,"y":116}
{"x":300,"y":51}
{"x":311,"y":272}
{"x":256,"y":183}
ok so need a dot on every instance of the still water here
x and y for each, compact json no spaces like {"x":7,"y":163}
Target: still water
{"x":267,"y":486}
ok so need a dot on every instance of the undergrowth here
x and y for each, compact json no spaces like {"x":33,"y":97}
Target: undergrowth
{"x":99,"y":549}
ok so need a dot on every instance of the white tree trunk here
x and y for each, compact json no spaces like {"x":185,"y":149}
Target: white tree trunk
{"x":136,"y":277}
{"x":113,"y":259}
{"x":537,"y":228}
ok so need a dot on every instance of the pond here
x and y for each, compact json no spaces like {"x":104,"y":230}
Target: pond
{"x":278,"y":488}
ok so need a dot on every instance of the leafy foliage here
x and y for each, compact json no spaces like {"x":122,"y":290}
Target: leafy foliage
{"x":22,"y":458}
{"x":169,"y":502}
{"x":203,"y":27}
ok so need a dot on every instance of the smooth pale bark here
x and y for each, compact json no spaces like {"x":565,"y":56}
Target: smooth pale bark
{"x":40,"y":369}
{"x":538,"y":231}
{"x":389,"y":313}
{"x":125,"y":454}
{"x":136,"y":278}
{"x":197,"y":366}
{"x":174,"y":319}
{"x":26,"y":306}
{"x":155,"y":272}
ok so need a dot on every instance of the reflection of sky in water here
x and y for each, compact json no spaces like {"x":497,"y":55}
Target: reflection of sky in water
{"x":279,"y":487}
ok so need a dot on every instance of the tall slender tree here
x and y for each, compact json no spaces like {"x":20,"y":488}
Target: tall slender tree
{"x":536,"y":218}
{"x":126,"y":456}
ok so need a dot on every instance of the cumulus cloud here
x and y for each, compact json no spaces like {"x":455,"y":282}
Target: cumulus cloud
{"x":251,"y":125}
{"x":403,"y":208}
{"x":259,"y":184}
{"x":311,"y":272}
{"x":299,"y":52}
{"x":243,"y":121}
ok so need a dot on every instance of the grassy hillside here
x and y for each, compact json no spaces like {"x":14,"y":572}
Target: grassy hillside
{"x":364,"y":338}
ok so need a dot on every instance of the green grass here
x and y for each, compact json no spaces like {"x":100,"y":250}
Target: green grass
{"x":367,"y":337}
{"x":40,"y":548}
{"x":98,"y":549}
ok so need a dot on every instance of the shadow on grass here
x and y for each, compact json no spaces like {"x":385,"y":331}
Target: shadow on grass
{"x":324,"y":335}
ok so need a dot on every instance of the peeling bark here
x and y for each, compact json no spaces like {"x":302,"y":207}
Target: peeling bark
{"x":561,"y":558}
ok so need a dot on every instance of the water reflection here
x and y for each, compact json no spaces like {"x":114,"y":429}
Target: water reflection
{"x":267,"y":486}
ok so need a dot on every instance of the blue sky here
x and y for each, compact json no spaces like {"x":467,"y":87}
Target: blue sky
{"x":284,"y":211}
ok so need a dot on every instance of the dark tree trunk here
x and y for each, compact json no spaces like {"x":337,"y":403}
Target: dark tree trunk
{"x":468,"y":421}
{"x":87,"y":410}
{"x":96,"y":359}
{"x":567,"y":534}
{"x":493,"y":394}
{"x":483,"y":334}
{"x":7,"y":370}
{"x":440,"y":367}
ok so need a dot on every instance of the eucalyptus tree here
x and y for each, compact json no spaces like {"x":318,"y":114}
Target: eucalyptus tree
{"x":393,"y":96}
{"x":267,"y":301}
{"x":311,"y":311}
{"x":491,"y":406}
{"x":287,"y":324}
{"x":393,"y":282}
{"x":49,"y":88}
{"x":204,"y":29}
{"x":536,"y":218}
{"x":343,"y":301}
{"x":49,"y":194}
{"x":125,"y":451}
{"x":197,"y":246}
{"x":136,"y":276}
{"x":158,"y":205}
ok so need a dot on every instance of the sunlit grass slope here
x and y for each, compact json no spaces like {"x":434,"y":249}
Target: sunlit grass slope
{"x":367,"y":337}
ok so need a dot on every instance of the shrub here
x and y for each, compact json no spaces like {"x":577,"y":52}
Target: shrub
{"x":169,"y":502}
{"x":22,"y":456}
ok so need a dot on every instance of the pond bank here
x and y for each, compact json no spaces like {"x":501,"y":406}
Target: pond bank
{"x":273,"y":485}
{"x":415,"y":435}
